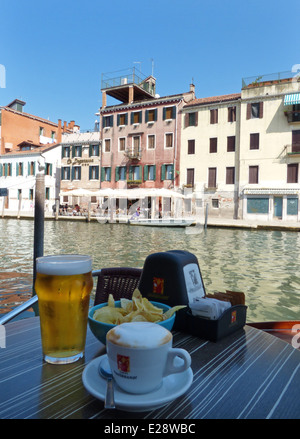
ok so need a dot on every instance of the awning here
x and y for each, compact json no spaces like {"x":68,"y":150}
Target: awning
{"x":292,"y":99}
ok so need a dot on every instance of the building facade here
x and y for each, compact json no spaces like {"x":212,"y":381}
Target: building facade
{"x":240,"y":152}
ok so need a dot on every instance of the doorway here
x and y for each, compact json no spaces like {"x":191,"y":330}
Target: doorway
{"x":278,"y":207}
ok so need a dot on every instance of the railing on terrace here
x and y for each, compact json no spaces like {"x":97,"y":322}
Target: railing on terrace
{"x":124,"y":77}
{"x":261,"y":80}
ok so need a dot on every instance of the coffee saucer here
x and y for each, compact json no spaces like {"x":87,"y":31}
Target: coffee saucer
{"x":172,"y":387}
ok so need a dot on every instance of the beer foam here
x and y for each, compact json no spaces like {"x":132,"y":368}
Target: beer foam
{"x":64,"y":265}
{"x":139,"y":335}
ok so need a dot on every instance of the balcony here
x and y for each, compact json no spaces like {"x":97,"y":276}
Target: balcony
{"x":133,"y":154}
{"x":292,"y":116}
{"x":293,"y":150}
{"x":117,"y":84}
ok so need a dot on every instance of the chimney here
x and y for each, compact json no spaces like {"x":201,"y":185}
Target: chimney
{"x":65,"y":127}
{"x":58,"y":137}
{"x":192,"y":90}
{"x":71,"y":124}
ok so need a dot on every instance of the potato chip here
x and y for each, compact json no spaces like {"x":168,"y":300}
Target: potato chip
{"x":139,"y":309}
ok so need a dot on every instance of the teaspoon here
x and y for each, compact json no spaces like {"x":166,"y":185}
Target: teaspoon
{"x":105,"y":372}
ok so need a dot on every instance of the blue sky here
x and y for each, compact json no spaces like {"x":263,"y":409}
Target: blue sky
{"x":54,"y":52}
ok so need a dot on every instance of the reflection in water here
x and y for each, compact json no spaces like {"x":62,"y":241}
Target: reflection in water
{"x":263,"y":264}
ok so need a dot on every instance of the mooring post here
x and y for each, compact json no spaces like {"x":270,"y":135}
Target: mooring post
{"x":39,"y":206}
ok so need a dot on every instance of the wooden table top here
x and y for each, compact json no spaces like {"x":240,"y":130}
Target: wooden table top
{"x":249,"y":374}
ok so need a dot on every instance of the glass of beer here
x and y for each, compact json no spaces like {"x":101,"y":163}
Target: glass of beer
{"x":63,"y":286}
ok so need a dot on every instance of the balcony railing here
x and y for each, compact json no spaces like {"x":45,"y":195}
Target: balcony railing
{"x":292,"y":149}
{"x":124,"y":77}
{"x":133,"y":154}
{"x":292,"y":116}
{"x":262,"y":80}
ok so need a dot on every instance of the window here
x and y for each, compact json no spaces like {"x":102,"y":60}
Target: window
{"x":31,"y":168}
{"x":65,"y":173}
{"x":94,"y":172}
{"x":106,"y":174}
{"x":212,"y":177}
{"x":47,"y":193}
{"x":230,"y":143}
{"x":213,"y":144}
{"x":77,"y":151}
{"x":106,"y":145}
{"x":167,"y":172}
{"x":76,"y":173}
{"x":214,"y":116}
{"x":191,"y":146}
{"x":65,"y":151}
{"x":169,"y":113}
{"x":122,"y":119}
{"x":151,"y":115}
{"x":151,"y":141}
{"x":107,"y":121}
{"x":120,"y":173}
{"x":122,"y":141}
{"x":135,"y":173}
{"x":253,"y":174}
{"x":19,"y":168}
{"x":215,"y":203}
{"x":190,"y":176}
{"x":254,"y":141}
{"x":230,"y":175}
{"x":168,"y":140}
{"x":292,"y":173}
{"x":48,"y":168}
{"x":149,"y":172}
{"x":30,"y":194}
{"x":231,"y":114}
{"x":191,"y":119}
{"x":53,"y":135}
{"x":255,"y":110}
{"x":94,"y":150}
{"x":258,"y":205}
{"x":292,"y":206}
{"x":41,"y":131}
{"x":136,"y":117}
{"x":7,"y":169}
{"x":296,"y":141}
{"x":136,"y":145}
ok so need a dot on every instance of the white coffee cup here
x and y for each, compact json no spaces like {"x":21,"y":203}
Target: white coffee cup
{"x":140,"y":355}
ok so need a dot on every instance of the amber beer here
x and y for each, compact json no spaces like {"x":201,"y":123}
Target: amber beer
{"x":63,"y":286}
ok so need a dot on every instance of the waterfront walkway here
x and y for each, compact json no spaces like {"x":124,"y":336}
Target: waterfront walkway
{"x":211,"y":221}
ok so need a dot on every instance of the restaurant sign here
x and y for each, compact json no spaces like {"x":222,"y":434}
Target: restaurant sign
{"x":3,"y":192}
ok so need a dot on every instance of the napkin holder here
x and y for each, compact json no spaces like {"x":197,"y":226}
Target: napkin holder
{"x":231,"y":320}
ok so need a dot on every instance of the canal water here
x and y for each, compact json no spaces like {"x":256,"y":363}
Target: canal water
{"x":265,"y":265}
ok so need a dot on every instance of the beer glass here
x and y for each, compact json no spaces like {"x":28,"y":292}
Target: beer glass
{"x":63,"y":286}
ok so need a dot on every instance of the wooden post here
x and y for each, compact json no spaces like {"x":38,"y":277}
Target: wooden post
{"x":39,"y":214}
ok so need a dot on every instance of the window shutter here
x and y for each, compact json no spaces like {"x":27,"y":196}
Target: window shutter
{"x":145,"y":172}
{"x":154,"y":172}
{"x":130,"y":172}
{"x":174,"y":112}
{"x":33,"y":168}
{"x":140,"y":172}
{"x":146,"y":116}
{"x":28,"y":168}
{"x":73,"y":151}
{"x":164,"y":113}
{"x":62,"y":153}
{"x":163,"y":172}
{"x":261,"y":110}
{"x":73,"y":173}
{"x":90,"y":172}
{"x":102,"y":174}
{"x":155,"y":114}
{"x":172,"y":172}
{"x":186,"y":120}
{"x":108,"y":174}
{"x":51,"y":166}
{"x":196,"y":119}
{"x":90,"y":150}
{"x":131,"y":117}
{"x":1,"y":170}
{"x":117,"y":173}
{"x":140,"y":117}
{"x":248,"y":114}
{"x":61,"y":173}
{"x":118,"y":119}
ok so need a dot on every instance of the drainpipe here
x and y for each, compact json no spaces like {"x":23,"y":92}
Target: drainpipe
{"x":238,"y":164}
{"x":175,"y":141}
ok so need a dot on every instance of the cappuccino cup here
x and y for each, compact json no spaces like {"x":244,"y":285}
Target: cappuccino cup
{"x":140,"y":355}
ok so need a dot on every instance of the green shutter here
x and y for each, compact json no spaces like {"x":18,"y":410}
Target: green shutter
{"x":163,"y":172}
{"x":1,"y":169}
{"x":51,"y":167}
{"x":131,"y":118}
{"x":117,"y":173}
{"x":118,"y":119}
{"x":172,"y":172}
{"x":146,"y":115}
{"x":154,"y":172}
{"x":33,"y":168}
{"x":109,"y":174}
{"x":145,"y":172}
{"x":140,"y":172}
{"x":73,"y":151}
{"x":130,"y":173}
{"x":17,"y":169}
{"x":28,"y":168}
{"x":126,"y":119}
{"x":90,"y":172}
{"x":140,"y":117}
{"x":155,"y":114}
{"x":174,"y":112}
{"x":102,"y":174}
{"x":164,"y":113}
{"x":90,"y":150}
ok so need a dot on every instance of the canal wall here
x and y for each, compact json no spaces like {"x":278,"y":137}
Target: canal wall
{"x":211,"y":222}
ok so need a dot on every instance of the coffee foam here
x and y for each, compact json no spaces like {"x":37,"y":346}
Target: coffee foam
{"x":64,"y":265}
{"x":139,"y":335}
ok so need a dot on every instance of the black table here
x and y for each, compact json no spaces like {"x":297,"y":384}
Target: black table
{"x":249,"y":374}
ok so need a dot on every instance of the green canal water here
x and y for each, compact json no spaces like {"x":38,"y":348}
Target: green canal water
{"x":265,"y":265}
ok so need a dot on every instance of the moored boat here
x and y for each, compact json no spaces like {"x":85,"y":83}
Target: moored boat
{"x":161,"y":222}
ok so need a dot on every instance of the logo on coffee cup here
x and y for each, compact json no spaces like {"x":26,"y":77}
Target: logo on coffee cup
{"x":123,"y":363}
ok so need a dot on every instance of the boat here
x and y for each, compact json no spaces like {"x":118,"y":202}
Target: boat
{"x":161,"y":222}
{"x":287,"y":331}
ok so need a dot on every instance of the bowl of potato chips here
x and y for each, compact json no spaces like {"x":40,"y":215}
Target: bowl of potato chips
{"x":107,"y":315}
